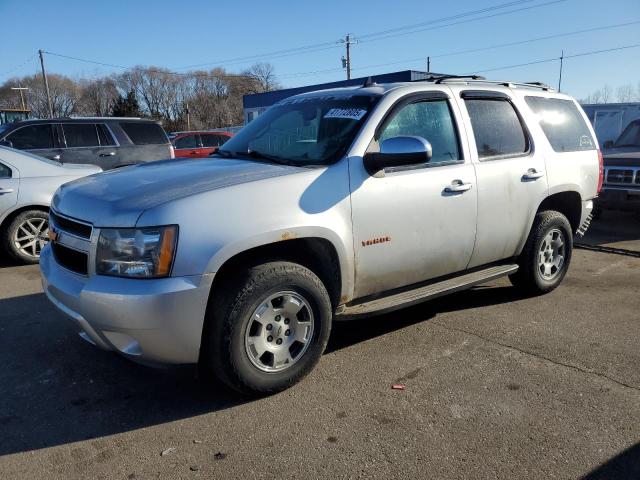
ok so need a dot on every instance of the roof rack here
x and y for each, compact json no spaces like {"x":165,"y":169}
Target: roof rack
{"x":506,"y":83}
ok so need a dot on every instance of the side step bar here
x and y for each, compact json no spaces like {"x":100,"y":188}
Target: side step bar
{"x":411,"y":297}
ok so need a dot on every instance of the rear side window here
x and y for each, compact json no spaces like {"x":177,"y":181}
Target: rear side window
{"x":430,"y":120}
{"x":32,"y":137}
{"x":210,"y":140}
{"x":145,"y":133}
{"x":105,"y":135}
{"x":562,"y":124}
{"x":186,"y":142}
{"x":496,"y":128}
{"x":5,"y":172}
{"x":80,"y":134}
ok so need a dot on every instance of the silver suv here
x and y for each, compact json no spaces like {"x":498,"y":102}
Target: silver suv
{"x":331,"y":205}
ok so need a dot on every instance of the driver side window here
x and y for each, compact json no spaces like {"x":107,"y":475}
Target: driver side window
{"x":431,"y":120}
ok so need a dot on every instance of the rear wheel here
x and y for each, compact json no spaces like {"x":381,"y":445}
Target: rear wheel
{"x":547,"y":254}
{"x":268,"y":328}
{"x":26,"y":235}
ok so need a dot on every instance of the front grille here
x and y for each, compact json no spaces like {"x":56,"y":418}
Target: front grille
{"x":70,"y":259}
{"x":619,"y":175}
{"x":78,"y":229}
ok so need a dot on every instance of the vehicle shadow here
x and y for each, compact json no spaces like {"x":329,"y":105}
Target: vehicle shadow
{"x":57,"y":389}
{"x":624,"y":466}
{"x":620,"y":229}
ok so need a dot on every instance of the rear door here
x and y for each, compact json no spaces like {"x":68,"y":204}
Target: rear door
{"x":39,"y":139}
{"x":148,"y":142}
{"x":83,"y":143}
{"x":510,"y":172}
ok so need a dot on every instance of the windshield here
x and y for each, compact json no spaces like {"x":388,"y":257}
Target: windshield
{"x":303,"y":131}
{"x":630,"y":137}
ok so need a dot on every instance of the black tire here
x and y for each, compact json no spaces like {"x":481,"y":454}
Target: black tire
{"x":529,"y":276}
{"x":9,"y":233}
{"x":230,"y":315}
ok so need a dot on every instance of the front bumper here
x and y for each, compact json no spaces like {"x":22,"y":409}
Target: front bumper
{"x":155,"y":321}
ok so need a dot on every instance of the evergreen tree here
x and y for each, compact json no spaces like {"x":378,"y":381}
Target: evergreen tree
{"x":126,"y":106}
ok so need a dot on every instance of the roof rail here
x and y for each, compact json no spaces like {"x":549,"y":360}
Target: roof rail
{"x":439,"y":77}
{"x":506,"y":83}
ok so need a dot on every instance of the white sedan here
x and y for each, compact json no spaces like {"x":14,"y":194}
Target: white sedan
{"x":27,"y":184}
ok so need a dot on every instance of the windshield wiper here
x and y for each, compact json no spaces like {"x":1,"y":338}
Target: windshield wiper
{"x":265,"y":156}
{"x":224,"y":153}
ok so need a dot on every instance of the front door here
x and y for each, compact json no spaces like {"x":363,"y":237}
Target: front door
{"x":9,"y":183}
{"x":410,"y":224}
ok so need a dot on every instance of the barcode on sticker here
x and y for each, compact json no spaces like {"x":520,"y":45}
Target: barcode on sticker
{"x":351,"y":113}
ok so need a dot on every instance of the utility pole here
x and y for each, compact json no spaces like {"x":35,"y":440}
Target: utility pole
{"x":188,"y":120}
{"x":346,"y":62}
{"x":560,"y":77}
{"x":46,"y":84}
{"x":20,"y":89}
{"x":428,"y":64}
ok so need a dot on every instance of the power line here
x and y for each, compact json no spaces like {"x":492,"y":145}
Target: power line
{"x":328,"y":45}
{"x":472,"y":50}
{"x":7,"y":72}
{"x":555,"y":59}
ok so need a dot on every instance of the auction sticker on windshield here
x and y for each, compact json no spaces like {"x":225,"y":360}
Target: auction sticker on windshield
{"x":351,"y":113}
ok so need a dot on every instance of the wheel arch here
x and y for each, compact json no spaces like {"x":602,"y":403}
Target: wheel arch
{"x":8,"y":217}
{"x":569,"y":203}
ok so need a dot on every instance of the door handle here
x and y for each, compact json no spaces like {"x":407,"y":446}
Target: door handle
{"x":6,"y":190}
{"x":110,"y":154}
{"x":458,"y":186}
{"x":532,"y":174}
{"x":55,"y":157}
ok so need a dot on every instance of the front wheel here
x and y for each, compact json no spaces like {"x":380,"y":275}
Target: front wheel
{"x":268,"y":328}
{"x":546,"y":256}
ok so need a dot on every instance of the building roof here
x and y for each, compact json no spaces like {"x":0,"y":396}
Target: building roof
{"x":267,"y":99}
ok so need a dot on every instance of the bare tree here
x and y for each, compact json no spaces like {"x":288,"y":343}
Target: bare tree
{"x":97,"y":97}
{"x":625,"y":93}
{"x":264,"y":76}
{"x":606,"y":94}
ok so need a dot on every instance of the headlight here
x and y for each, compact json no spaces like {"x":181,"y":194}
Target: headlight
{"x":136,"y":252}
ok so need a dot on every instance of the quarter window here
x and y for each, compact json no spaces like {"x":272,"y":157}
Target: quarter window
{"x":496,"y":128}
{"x":143,"y":133}
{"x":5,"y":172}
{"x":562,"y":124}
{"x":186,"y":142}
{"x":80,"y":134}
{"x":430,"y":120}
{"x":32,"y":137}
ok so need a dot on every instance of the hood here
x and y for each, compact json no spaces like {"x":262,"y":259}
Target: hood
{"x":626,"y":152}
{"x":117,"y":198}
{"x":622,"y":158}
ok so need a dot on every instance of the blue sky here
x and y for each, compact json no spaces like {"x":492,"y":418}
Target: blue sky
{"x":176,"y":34}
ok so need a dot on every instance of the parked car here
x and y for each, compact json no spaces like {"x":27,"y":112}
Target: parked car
{"x":27,"y":183}
{"x":621,"y":190}
{"x":198,"y":144}
{"x":330,"y":205}
{"x":108,"y":142}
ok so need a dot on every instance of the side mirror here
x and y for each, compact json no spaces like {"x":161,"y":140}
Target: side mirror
{"x":608,"y":144}
{"x":398,"y":152}
{"x":6,"y":143}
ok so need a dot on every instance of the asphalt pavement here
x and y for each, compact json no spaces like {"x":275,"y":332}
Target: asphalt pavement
{"x":496,"y":386}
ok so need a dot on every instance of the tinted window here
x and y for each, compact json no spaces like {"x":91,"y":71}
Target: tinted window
{"x":562,"y":124}
{"x":186,"y":142}
{"x":5,"y":172}
{"x":430,"y":120}
{"x":105,"y":135}
{"x":496,"y":128}
{"x":210,"y":140}
{"x":33,"y":136}
{"x":80,"y":134}
{"x":145,"y":133}
{"x":630,"y":137}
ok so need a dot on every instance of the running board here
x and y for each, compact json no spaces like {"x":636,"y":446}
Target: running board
{"x":411,"y":297}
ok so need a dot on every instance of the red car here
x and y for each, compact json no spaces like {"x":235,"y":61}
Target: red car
{"x":198,"y":144}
